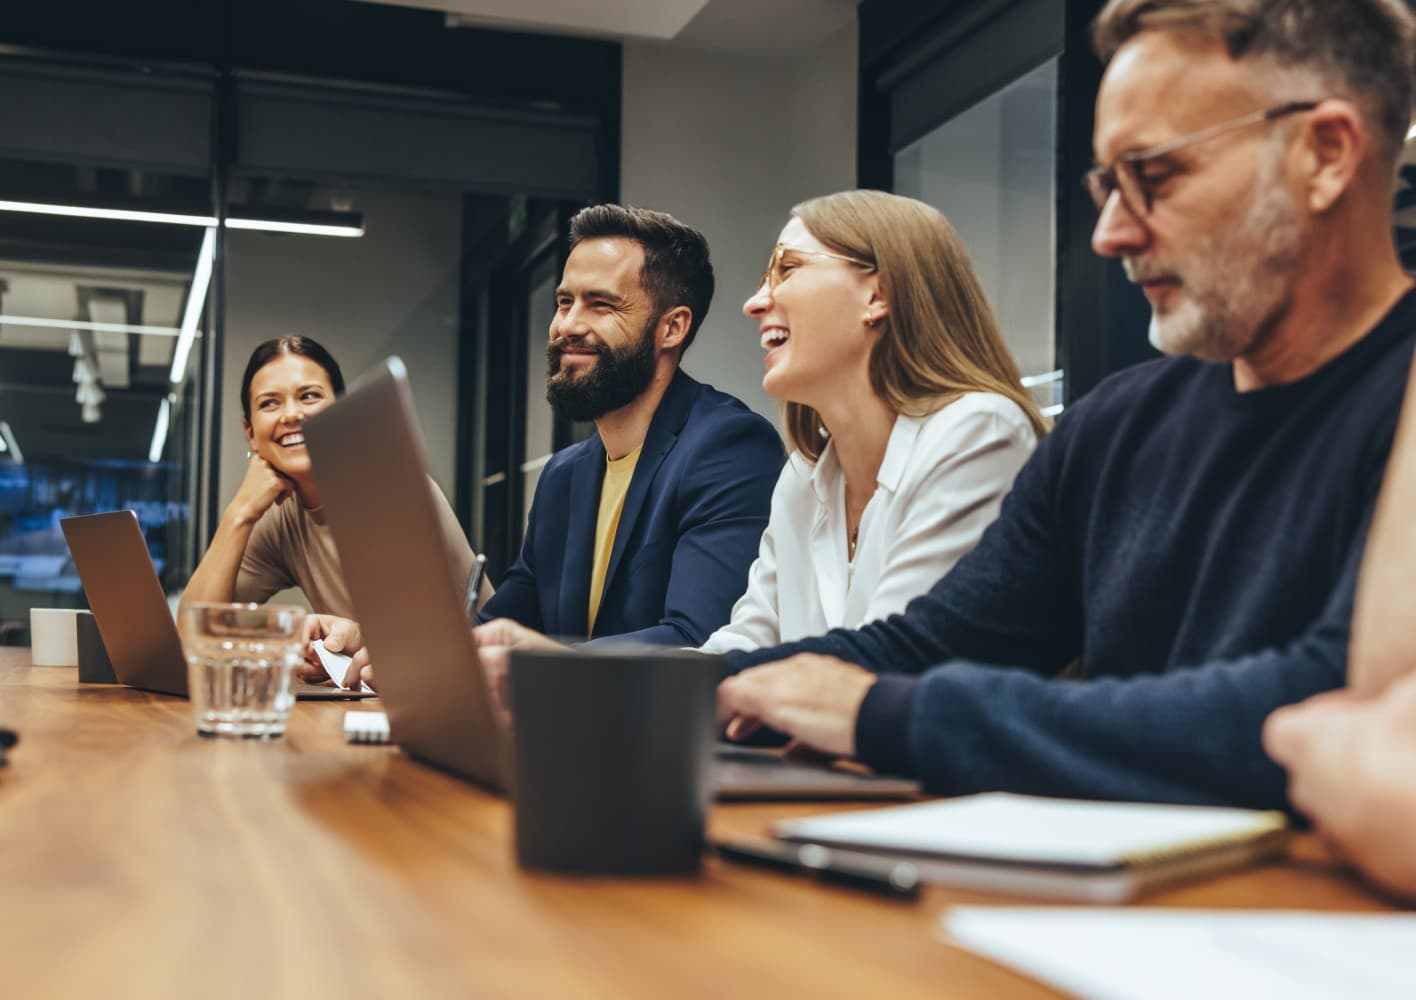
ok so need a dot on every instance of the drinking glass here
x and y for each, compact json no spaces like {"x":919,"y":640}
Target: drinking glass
{"x":241,"y":659}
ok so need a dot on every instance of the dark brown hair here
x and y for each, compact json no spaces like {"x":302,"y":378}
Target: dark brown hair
{"x":294,"y":344}
{"x":676,"y":271}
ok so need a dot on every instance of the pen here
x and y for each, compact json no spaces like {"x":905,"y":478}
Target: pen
{"x":898,"y":879}
{"x":474,"y":588}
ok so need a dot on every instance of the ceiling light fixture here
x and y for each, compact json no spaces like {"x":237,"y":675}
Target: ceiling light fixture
{"x":11,"y":445}
{"x":196,"y":302}
{"x":159,"y":430}
{"x":110,"y":214}
{"x":265,"y":220}
{"x":352,"y":225}
{"x":43,"y":322}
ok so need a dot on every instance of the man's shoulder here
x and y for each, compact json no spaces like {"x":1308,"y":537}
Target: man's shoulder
{"x":1131,"y":393}
{"x":715,"y":414}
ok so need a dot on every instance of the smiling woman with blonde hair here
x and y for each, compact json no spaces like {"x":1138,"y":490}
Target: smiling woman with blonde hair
{"x":903,"y":407}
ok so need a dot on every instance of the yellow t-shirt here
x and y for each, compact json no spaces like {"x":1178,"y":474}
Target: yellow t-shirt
{"x":618,"y":473}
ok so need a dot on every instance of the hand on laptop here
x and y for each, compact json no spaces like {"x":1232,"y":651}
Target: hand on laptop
{"x":812,"y":698}
{"x":495,"y":641}
{"x":340,"y":635}
{"x":1352,"y":770}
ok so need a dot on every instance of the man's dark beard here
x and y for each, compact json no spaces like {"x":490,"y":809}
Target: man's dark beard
{"x":620,"y":376}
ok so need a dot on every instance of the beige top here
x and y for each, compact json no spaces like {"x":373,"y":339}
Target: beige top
{"x":291,"y":546}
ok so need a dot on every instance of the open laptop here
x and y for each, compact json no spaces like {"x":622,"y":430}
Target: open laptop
{"x":131,"y":610}
{"x":370,"y":463}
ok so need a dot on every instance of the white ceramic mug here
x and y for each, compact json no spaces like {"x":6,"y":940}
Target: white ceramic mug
{"x":53,"y":637}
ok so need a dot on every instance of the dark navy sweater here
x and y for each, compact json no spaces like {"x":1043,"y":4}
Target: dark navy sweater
{"x":1195,"y":547}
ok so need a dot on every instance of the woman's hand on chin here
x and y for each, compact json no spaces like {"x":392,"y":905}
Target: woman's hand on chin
{"x":261,"y":488}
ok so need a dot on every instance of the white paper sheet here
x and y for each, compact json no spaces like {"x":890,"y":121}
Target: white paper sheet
{"x":1164,"y":954}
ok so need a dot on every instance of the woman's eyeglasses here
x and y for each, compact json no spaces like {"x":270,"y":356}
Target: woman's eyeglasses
{"x":1136,"y":191}
{"x":777,"y":266}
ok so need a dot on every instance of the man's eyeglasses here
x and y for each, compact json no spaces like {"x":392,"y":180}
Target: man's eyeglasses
{"x":777,"y":266}
{"x":1136,"y":190}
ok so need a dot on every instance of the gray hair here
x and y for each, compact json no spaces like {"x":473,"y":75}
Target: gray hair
{"x":1361,"y":49}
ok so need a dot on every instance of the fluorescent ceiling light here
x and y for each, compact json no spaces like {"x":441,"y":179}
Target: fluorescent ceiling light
{"x":79,"y":324}
{"x":113,"y":214}
{"x":260,"y":220}
{"x":196,"y":302}
{"x":159,"y":430}
{"x":303,"y":228}
{"x":1046,"y":378}
{"x":11,"y":445}
{"x":1411,"y":133}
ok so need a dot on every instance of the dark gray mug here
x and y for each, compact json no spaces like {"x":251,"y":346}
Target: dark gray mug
{"x":613,"y":754}
{"x":94,"y":664}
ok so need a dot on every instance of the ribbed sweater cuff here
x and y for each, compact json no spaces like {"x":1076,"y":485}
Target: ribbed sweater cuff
{"x":882,"y":731}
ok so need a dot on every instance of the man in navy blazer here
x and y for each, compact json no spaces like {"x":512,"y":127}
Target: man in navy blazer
{"x":646,"y":530}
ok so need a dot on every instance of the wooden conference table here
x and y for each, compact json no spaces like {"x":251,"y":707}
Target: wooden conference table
{"x":139,"y":860}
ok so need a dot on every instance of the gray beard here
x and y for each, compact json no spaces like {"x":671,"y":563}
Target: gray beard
{"x":1244,"y":285}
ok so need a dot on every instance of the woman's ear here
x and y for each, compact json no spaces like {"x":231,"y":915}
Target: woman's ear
{"x":876,"y":308}
{"x":250,"y":434}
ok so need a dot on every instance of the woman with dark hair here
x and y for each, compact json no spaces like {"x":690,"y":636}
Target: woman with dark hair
{"x":273,"y":534}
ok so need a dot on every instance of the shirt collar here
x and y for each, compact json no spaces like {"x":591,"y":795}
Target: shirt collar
{"x":897,"y":452}
{"x":827,"y":471}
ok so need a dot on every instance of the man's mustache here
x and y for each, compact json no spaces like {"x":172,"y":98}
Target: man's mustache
{"x":560,"y":344}
{"x":1138,"y":272}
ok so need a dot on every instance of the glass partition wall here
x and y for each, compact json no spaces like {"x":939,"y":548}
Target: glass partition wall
{"x":992,"y":171}
{"x":156,"y":224}
{"x":102,"y":332}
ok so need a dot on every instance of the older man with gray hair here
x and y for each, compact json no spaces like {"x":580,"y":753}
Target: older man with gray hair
{"x":1191,"y":531}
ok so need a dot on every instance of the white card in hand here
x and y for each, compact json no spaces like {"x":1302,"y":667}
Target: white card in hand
{"x":336,"y":665}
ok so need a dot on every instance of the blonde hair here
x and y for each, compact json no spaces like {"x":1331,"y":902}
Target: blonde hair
{"x":940,"y":339}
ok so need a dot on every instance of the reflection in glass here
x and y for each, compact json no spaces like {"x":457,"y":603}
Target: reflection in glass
{"x":992,"y":171}
{"x":540,"y":424}
{"x":91,"y":312}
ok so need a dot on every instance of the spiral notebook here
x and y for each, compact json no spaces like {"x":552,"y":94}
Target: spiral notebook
{"x":1102,"y":852}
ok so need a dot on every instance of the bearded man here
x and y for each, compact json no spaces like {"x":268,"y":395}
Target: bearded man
{"x":646,"y":530}
{"x":1191,"y":530}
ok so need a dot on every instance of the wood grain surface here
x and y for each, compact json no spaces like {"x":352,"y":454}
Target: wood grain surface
{"x":138,"y":860}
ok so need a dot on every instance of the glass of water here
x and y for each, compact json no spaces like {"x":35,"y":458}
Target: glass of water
{"x":241,"y":659}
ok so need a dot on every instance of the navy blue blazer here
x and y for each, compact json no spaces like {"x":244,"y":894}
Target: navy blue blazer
{"x":692,"y":521}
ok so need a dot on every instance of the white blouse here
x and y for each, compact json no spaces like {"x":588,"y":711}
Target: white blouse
{"x":939,"y":486}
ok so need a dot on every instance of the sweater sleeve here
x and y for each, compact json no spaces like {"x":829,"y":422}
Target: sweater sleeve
{"x":1190,"y":735}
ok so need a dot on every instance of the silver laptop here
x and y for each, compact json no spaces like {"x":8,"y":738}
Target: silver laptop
{"x":131,"y":610}
{"x":370,"y":463}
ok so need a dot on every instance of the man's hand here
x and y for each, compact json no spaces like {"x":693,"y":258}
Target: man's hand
{"x":814,"y":699}
{"x":1352,"y":771}
{"x":495,"y":641}
{"x":340,"y":635}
